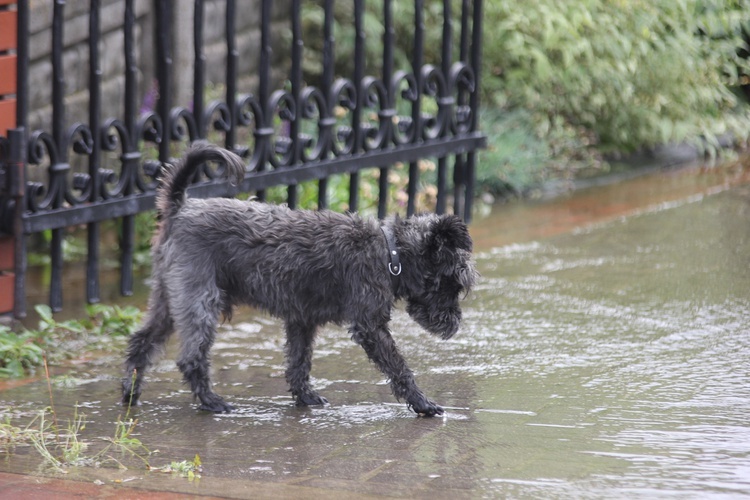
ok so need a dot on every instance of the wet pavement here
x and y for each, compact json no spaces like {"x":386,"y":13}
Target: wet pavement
{"x":605,"y":353}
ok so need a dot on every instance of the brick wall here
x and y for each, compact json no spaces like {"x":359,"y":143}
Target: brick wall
{"x":8,"y":41}
{"x":7,"y":66}
{"x":76,"y":57}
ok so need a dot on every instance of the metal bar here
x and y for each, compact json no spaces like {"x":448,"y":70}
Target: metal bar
{"x":199,"y":69}
{"x":411,"y":188}
{"x":265,"y":51}
{"x":16,"y":165}
{"x":383,"y":193}
{"x":329,"y":44}
{"x":442,"y":185}
{"x":81,"y":214}
{"x":446,"y":50}
{"x":464,"y":45}
{"x":58,"y":77}
{"x":118,"y":207}
{"x":95,"y":74}
{"x":470,"y":183}
{"x":56,"y":261}
{"x":354,"y":191}
{"x":446,"y":61}
{"x":296,"y":84}
{"x":416,"y":110}
{"x":163,"y":74}
{"x":231,"y":75}
{"x":16,"y":168}
{"x":131,"y":73}
{"x":323,"y":193}
{"x":458,"y":184}
{"x":389,"y":37}
{"x":417,"y":62}
{"x":57,"y":171}
{"x":92,"y":263}
{"x":129,"y":147}
{"x":476,"y":62}
{"x":127,"y":249}
{"x":359,"y":71}
{"x":262,"y":142}
{"x":22,"y":68}
{"x":388,"y":43}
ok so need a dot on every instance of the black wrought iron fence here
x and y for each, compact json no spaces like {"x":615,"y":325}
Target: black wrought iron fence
{"x":297,"y":133}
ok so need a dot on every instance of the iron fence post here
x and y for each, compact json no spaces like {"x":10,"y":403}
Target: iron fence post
{"x":16,"y":169}
{"x":476,"y":62}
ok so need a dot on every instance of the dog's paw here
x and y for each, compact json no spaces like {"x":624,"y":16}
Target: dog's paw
{"x":310,"y":399}
{"x":216,"y":405}
{"x":426,"y":408}
{"x":130,"y":402}
{"x":130,"y":396}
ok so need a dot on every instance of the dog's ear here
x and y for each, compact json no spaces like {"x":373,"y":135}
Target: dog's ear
{"x":447,"y":235}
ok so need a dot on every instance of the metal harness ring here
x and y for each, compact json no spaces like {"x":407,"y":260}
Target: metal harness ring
{"x":397,"y":271}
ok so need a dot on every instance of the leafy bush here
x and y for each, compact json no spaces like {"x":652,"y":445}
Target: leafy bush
{"x":19,"y":353}
{"x":584,"y":77}
{"x":637,"y":73}
{"x":22,"y":353}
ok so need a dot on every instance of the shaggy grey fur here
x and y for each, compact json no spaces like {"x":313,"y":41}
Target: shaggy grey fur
{"x":306,"y":267}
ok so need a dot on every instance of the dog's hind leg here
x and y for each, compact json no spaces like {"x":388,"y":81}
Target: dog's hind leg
{"x":146,"y":344}
{"x":381,"y":349}
{"x":299,"y":350}
{"x":196,"y":323}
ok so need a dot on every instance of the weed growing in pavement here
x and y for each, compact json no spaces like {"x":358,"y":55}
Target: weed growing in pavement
{"x":22,"y":353}
{"x":64,"y":446}
{"x":191,"y":469}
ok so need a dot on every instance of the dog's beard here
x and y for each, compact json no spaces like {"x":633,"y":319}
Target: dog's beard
{"x":441,"y":320}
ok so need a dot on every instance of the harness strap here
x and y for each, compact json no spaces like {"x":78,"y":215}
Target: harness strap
{"x":394,"y":263}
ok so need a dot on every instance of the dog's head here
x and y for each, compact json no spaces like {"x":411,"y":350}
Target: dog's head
{"x":443,"y":273}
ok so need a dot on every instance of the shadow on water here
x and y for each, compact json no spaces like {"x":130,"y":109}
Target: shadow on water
{"x":604,"y":353}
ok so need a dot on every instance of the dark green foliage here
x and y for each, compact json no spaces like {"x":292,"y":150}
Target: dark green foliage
{"x":637,"y":73}
{"x":581,"y":77}
{"x":22,"y":353}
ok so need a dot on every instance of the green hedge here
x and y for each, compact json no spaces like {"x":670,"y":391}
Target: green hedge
{"x":585,"y":77}
{"x":635,"y":72}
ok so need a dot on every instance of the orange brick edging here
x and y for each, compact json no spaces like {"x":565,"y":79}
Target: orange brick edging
{"x":8,"y":29}
{"x":8,"y":72}
{"x":8,"y":82}
{"x":8,"y":41}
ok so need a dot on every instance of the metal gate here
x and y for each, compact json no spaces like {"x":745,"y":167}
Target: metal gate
{"x":340,"y":125}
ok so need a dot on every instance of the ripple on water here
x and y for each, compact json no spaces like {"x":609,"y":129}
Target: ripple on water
{"x":640,"y":333}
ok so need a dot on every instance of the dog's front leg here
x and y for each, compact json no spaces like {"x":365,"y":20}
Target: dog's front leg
{"x":381,"y":349}
{"x":299,"y":351}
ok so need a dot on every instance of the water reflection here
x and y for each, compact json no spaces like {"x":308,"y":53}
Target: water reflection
{"x":631,"y":338}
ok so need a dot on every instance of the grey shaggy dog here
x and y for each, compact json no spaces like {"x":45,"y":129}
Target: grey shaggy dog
{"x":308,"y":268}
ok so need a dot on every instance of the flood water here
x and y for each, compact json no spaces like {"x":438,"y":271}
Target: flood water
{"x":605,"y":353}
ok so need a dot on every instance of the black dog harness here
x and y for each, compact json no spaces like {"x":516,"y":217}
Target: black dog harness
{"x":394,"y":263}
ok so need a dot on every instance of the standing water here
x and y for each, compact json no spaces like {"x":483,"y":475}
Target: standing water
{"x":605,"y":353}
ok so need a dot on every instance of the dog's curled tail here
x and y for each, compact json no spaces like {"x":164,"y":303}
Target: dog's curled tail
{"x":175,"y":180}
